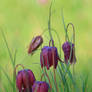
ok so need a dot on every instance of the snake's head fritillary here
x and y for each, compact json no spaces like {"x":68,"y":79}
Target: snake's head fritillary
{"x":40,"y":86}
{"x":68,"y":49}
{"x":49,"y":57}
{"x":24,"y":80}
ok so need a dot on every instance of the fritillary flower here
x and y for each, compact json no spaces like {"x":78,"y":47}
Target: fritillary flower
{"x":24,"y":80}
{"x":40,"y":86}
{"x":68,"y":49}
{"x":49,"y":57}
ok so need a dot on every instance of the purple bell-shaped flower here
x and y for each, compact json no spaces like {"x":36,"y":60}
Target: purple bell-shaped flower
{"x":49,"y":57}
{"x":69,"y":47}
{"x":69,"y":54}
{"x":40,"y":86}
{"x":24,"y":80}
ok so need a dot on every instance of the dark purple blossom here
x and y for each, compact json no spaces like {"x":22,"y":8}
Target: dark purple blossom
{"x":40,"y":86}
{"x":24,"y":80}
{"x":49,"y":57}
{"x":69,"y":53}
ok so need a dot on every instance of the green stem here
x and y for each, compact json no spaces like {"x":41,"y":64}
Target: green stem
{"x":53,"y":30}
{"x":66,"y":34}
{"x":49,"y":22}
{"x":11,"y":57}
{"x":14,"y":77}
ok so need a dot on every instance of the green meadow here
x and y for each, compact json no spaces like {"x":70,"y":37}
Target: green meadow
{"x":21,"y":20}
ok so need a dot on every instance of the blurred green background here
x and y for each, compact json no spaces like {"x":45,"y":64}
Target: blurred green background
{"x":22,"y":20}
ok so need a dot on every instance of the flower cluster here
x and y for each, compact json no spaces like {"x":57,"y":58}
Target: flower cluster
{"x":49,"y":56}
{"x":26,"y":82}
{"x":25,"y":79}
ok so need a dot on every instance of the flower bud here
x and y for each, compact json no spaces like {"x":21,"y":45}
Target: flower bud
{"x":35,"y":43}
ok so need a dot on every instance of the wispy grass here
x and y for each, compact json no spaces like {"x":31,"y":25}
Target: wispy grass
{"x":13,"y":61}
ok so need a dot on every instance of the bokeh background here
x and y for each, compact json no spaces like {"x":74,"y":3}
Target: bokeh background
{"x":22,"y":20}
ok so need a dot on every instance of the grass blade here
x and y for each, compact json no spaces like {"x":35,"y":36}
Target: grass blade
{"x":7,"y":47}
{"x":62,"y":76}
{"x":84,"y":85}
{"x":7,"y":77}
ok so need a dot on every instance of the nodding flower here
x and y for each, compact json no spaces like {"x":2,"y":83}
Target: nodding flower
{"x":69,"y":47}
{"x":69,"y":53}
{"x":24,"y":80}
{"x":40,"y":86}
{"x":35,"y":43}
{"x":49,"y":57}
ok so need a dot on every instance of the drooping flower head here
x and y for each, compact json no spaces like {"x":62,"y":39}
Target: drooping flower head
{"x":68,"y":49}
{"x":40,"y":86}
{"x":49,"y":57}
{"x":35,"y":43}
{"x":24,"y":80}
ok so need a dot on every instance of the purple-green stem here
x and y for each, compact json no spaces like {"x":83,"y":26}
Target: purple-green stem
{"x":46,"y":75}
{"x":54,"y":72}
{"x":51,"y":40}
{"x":54,"y":66}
